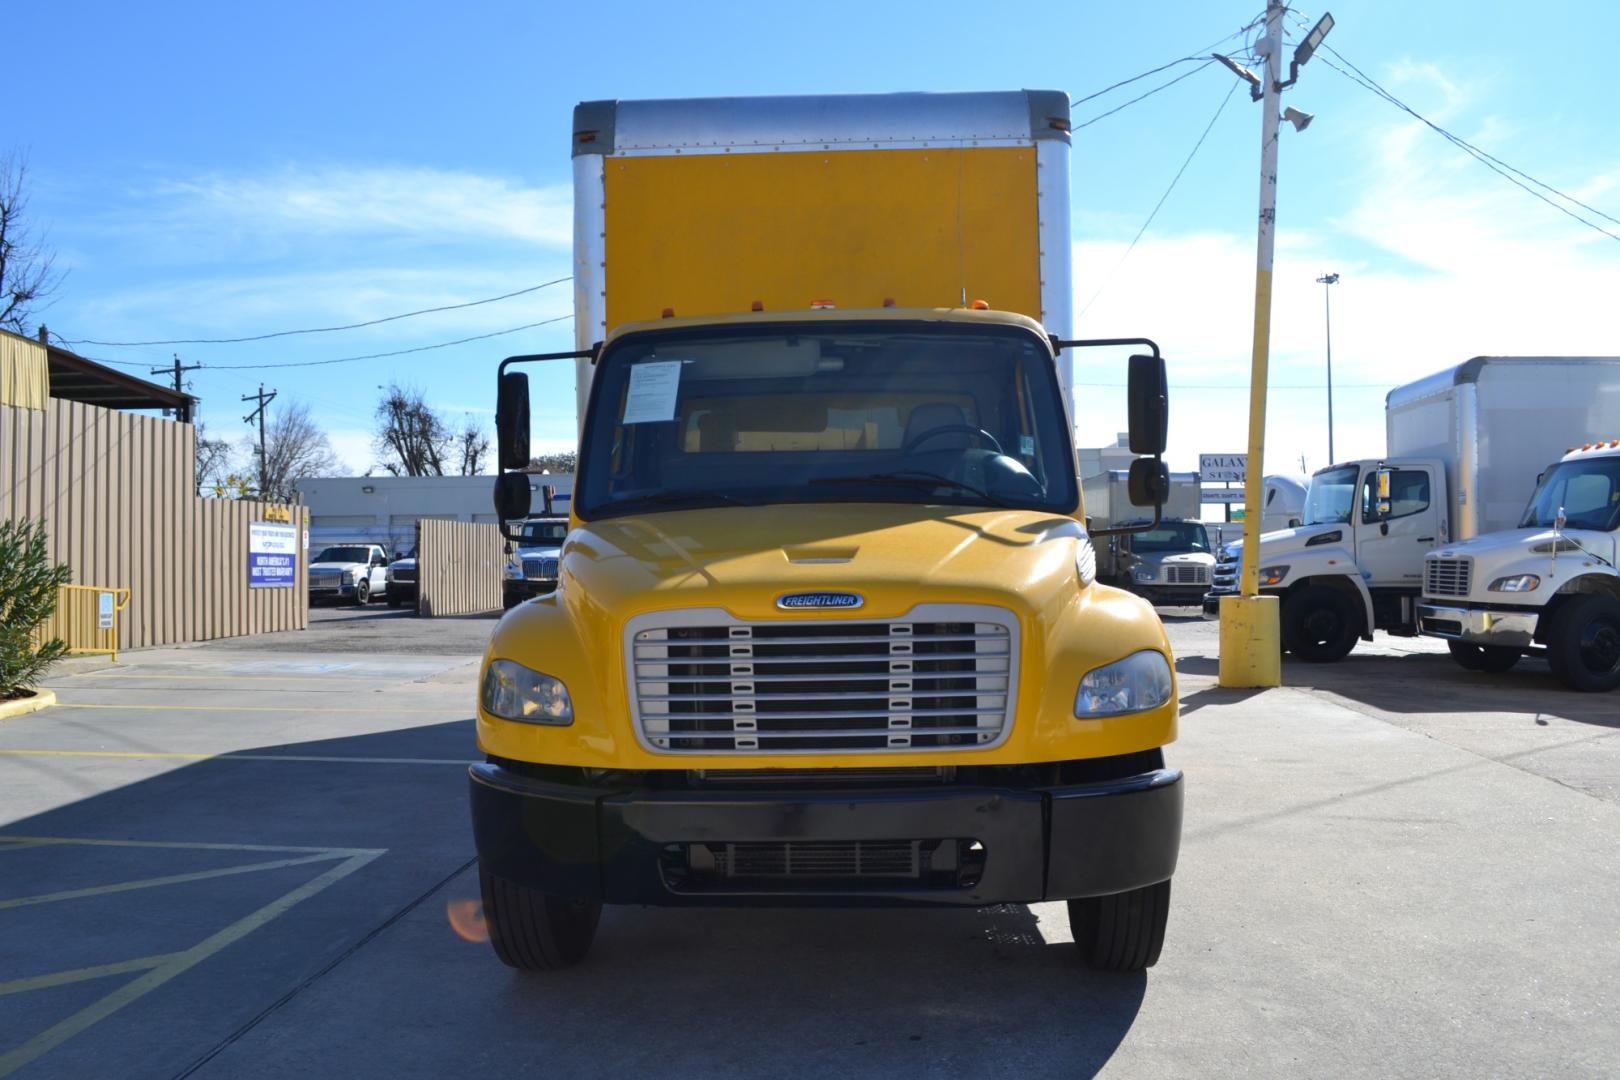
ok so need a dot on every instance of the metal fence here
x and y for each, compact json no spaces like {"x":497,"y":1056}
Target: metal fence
{"x":458,"y":566}
{"x":86,"y":619}
{"x":117,"y":492}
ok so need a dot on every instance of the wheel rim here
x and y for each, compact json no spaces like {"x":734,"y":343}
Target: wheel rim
{"x":1320,"y":627}
{"x":1600,"y":646}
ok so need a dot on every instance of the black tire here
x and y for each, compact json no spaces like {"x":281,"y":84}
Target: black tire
{"x":1319,"y":624}
{"x":1492,"y":658}
{"x":362,"y":593}
{"x":1122,"y":932}
{"x":1583,"y":643}
{"x":534,"y":931}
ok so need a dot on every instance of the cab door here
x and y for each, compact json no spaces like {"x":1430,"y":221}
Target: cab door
{"x":1394,"y":533}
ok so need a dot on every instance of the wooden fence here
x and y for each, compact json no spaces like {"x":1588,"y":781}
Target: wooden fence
{"x":117,"y":492}
{"x":458,"y":567}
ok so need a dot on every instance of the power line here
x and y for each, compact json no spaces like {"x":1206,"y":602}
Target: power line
{"x":1143,"y":97}
{"x":1200,"y":54}
{"x":1158,"y":205}
{"x":1490,"y":161}
{"x":379,"y":356}
{"x":1245,"y":386}
{"x":318,"y":329}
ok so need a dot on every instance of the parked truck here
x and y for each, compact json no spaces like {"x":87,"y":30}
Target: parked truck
{"x":826,"y":627}
{"x":1465,"y":447}
{"x":1550,"y":585}
{"x":1168,"y":562}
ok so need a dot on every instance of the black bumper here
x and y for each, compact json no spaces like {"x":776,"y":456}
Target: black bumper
{"x":1046,"y":843}
{"x":528,"y":588}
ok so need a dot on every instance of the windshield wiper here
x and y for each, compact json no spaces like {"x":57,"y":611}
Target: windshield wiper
{"x":912,"y":478}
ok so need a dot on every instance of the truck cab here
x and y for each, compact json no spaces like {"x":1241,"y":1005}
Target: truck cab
{"x":1549,"y":586}
{"x":531,"y":568}
{"x":1355,"y":563}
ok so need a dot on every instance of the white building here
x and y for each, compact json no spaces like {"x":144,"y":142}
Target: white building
{"x":385,"y":509}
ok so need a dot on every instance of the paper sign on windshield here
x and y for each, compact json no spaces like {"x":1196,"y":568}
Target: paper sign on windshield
{"x":653,"y":387}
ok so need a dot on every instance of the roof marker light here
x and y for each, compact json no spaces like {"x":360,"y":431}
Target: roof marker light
{"x":669,"y":313}
{"x":888,"y":301}
{"x":821,"y":305}
{"x":759,"y":305}
{"x":979,"y":305}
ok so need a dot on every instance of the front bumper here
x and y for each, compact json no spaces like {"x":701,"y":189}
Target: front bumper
{"x":617,"y":845}
{"x":528,"y":587}
{"x":1480,"y":626}
{"x":1163,"y":595}
{"x":330,"y":591}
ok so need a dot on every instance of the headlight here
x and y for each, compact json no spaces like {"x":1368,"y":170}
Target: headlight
{"x":1146,"y":574}
{"x":1085,"y":561}
{"x":514,"y":570}
{"x":513,"y":692}
{"x":1516,"y":583}
{"x":1139,"y":682}
{"x":1271,"y":575}
{"x":348,"y":577}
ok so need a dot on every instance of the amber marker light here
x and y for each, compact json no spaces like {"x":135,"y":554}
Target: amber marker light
{"x":979,"y":305}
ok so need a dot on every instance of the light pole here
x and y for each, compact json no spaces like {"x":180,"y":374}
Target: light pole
{"x":1327,"y":281}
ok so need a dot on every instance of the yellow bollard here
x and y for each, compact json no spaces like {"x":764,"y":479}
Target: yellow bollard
{"x":1251,"y":641}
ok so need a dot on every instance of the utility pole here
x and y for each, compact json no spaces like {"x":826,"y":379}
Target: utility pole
{"x":258,"y":414}
{"x":1327,"y":281}
{"x":179,"y":387}
{"x":1250,"y":636}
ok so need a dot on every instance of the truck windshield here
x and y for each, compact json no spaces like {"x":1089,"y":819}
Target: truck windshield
{"x":1332,"y":493}
{"x":1170,"y":537}
{"x":535,"y":533}
{"x":830,"y":412}
{"x":344,"y":554}
{"x":1587,"y":491}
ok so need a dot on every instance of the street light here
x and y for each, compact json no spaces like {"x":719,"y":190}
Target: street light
{"x":1327,"y":281}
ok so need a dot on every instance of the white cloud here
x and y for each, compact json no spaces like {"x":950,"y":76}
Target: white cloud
{"x":353,"y":448}
{"x":1453,"y":263}
{"x":391,"y":201}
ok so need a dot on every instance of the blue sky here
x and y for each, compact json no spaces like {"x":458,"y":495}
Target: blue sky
{"x":205,"y":171}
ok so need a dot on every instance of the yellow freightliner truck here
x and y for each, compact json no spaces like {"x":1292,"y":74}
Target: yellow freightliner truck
{"x":826,"y":628}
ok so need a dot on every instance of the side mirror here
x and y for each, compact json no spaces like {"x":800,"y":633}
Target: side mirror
{"x":1149,"y":480}
{"x":1148,"y":401}
{"x":1381,"y":503}
{"x":512,"y":423}
{"x":512,"y":495}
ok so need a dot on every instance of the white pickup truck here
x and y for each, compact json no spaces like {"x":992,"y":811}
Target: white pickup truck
{"x":355,"y":572}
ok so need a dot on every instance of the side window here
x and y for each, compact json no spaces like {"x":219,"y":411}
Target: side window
{"x":1408,"y":495}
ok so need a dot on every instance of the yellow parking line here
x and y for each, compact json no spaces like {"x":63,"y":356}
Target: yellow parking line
{"x":171,"y":879}
{"x":162,"y":754}
{"x":255,"y":708}
{"x":178,"y":964}
{"x":186,"y":845}
{"x":99,"y":971}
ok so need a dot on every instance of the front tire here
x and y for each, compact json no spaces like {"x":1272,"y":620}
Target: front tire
{"x":1122,"y":932}
{"x":1583,"y":643}
{"x":1319,"y":625}
{"x":362,"y":593}
{"x":1492,"y":658}
{"x":535,"y":931}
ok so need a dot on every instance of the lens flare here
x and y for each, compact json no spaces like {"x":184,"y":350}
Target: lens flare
{"x":467,"y":920}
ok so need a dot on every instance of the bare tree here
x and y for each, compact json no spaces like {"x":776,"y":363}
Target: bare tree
{"x":473,"y":443}
{"x":557,"y":463}
{"x":27,"y":274}
{"x":293,"y":448}
{"x":411,"y":439}
{"x":213,"y":463}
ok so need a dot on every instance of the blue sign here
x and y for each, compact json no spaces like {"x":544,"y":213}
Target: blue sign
{"x":836,"y":600}
{"x":272,"y":555}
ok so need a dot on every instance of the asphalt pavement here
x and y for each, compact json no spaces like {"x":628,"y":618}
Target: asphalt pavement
{"x":252,"y":859}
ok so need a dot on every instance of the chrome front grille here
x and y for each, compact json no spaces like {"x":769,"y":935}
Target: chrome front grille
{"x":1178,"y":574}
{"x":540,"y":568}
{"x":326,"y":581}
{"x":1447,"y":577}
{"x":942,"y":677}
{"x":1226,"y":578}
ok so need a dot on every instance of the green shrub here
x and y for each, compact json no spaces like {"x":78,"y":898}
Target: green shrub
{"x":28,"y":584}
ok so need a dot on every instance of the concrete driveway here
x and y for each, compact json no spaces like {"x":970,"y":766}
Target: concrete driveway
{"x":253,"y":859}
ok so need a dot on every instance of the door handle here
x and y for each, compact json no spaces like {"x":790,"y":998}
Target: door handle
{"x":1425,"y":540}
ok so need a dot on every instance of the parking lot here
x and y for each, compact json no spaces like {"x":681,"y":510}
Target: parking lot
{"x":252,"y":858}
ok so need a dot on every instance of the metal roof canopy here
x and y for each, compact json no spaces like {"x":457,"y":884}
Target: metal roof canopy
{"x":73,"y":378}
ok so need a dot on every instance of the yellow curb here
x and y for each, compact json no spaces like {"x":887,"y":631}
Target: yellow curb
{"x":42,"y":699}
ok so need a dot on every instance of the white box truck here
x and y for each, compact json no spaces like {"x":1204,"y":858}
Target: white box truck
{"x":1465,"y":447}
{"x":1170,"y":562}
{"x":1549,"y":585}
